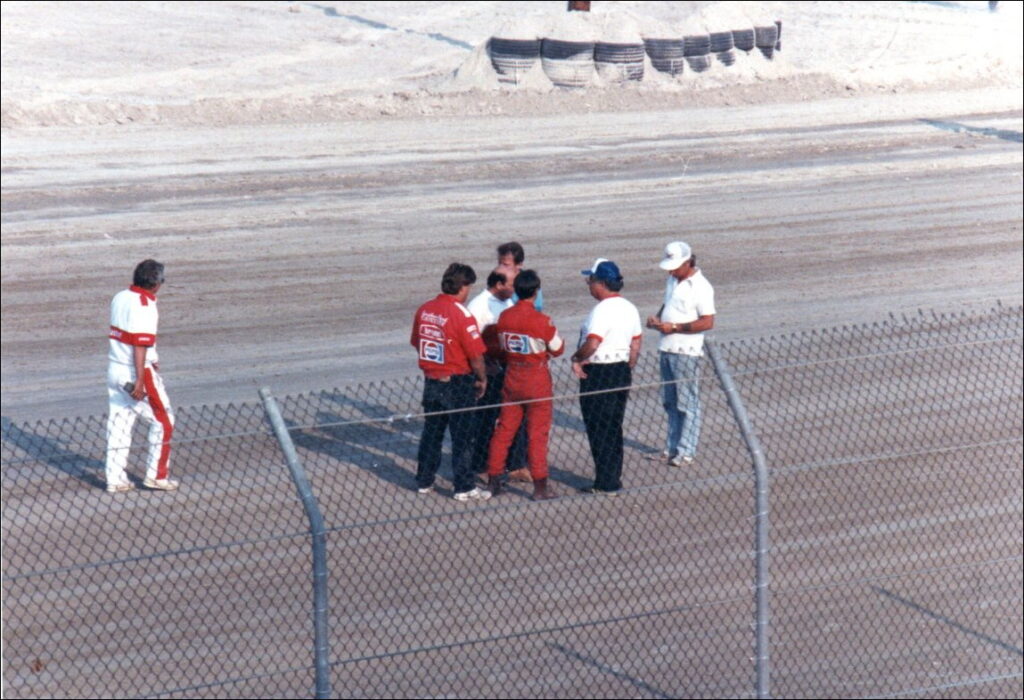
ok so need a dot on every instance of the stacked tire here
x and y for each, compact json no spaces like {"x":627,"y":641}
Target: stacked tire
{"x":619,"y":62}
{"x":697,"y":49}
{"x":666,"y":55}
{"x":513,"y":58}
{"x":744,"y":39}
{"x":765,"y":37}
{"x":723,"y":47}
{"x":568,"y":63}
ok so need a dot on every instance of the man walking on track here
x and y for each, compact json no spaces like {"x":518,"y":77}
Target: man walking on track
{"x":134,"y":386}
{"x":609,"y":347}
{"x":688,"y":310}
{"x":527,"y":338}
{"x":451,"y":355}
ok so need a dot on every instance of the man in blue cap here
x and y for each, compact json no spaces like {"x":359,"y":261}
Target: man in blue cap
{"x":608,"y":349}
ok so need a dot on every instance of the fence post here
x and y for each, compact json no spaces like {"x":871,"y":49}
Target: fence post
{"x":760,"y":517}
{"x":321,"y":645}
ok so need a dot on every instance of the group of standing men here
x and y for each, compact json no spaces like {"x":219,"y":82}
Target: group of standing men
{"x":499,"y":344}
{"x":485,"y":366}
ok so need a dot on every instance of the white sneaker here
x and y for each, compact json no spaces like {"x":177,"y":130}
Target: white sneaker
{"x":122,"y":487}
{"x":477,"y":494}
{"x":425,"y":489}
{"x":160,"y":484}
{"x":680,"y":461}
{"x":662,"y":456}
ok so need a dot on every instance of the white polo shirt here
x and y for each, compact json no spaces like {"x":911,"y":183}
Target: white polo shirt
{"x":133,"y":322}
{"x":685,"y":302}
{"x":486,"y":308}
{"x":615,"y":322}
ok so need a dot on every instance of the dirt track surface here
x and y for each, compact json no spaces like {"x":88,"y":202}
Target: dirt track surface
{"x":895,"y":506}
{"x":296,"y":255}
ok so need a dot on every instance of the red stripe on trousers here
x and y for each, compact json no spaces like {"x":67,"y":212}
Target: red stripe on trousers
{"x":160,"y":413}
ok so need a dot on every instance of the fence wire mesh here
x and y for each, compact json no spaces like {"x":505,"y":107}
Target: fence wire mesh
{"x":896,"y":504}
{"x":895,"y":453}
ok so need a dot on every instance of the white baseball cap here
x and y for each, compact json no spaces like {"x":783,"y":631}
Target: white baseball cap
{"x":676,"y":253}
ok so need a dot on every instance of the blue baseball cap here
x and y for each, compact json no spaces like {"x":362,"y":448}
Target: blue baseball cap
{"x":603,"y":269}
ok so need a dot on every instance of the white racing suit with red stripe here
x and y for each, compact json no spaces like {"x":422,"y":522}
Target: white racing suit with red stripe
{"x":133,"y":322}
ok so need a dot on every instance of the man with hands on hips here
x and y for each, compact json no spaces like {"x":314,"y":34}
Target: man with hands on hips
{"x":604,"y":360}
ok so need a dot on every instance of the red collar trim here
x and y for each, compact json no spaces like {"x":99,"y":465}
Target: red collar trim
{"x":144,"y":293}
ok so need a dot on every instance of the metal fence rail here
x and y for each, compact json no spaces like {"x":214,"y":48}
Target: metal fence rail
{"x":896,"y":512}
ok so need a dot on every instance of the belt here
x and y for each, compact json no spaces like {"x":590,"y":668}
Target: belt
{"x":449,"y":377}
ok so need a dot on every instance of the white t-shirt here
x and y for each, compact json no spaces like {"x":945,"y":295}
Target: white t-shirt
{"x":486,"y":308}
{"x":685,"y":302}
{"x":133,"y":322}
{"x":615,"y":322}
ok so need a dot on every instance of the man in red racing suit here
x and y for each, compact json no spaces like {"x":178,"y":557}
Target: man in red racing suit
{"x":527,"y":338}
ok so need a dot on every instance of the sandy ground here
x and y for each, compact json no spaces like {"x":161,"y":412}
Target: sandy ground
{"x":895,"y":557}
{"x":307,"y":171}
{"x":297,"y":263}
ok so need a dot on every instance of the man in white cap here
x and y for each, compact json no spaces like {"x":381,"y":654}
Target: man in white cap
{"x":687,"y":312}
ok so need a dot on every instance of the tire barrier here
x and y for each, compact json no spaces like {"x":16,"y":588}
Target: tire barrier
{"x":765,"y":37}
{"x":726,"y":58}
{"x":744,"y":39}
{"x":568,"y":63}
{"x":699,"y":64}
{"x":666,"y":55}
{"x":619,"y":62}
{"x":574,"y":63}
{"x":696,"y":45}
{"x":721,"y":41}
{"x":513,"y":57}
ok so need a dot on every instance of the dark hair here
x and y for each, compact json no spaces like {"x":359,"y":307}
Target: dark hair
{"x":514,"y":249}
{"x":148,"y":274}
{"x":456,"y":277}
{"x":527,"y":283}
{"x":496,"y":278}
{"x":612,"y":285}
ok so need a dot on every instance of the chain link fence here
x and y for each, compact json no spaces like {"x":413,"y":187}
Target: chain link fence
{"x":896,"y":511}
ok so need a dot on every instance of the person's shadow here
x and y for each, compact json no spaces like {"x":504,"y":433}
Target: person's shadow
{"x":54,"y":452}
{"x":364,"y":434}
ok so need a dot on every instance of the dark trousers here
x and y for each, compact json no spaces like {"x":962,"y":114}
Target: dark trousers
{"x":603,"y":415}
{"x":438,"y":396}
{"x":487,"y":416}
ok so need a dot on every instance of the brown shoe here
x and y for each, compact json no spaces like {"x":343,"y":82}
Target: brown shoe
{"x":541,"y":492}
{"x":520,"y":475}
{"x":494,"y":485}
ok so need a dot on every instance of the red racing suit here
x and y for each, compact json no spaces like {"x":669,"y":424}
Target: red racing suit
{"x":526,"y":339}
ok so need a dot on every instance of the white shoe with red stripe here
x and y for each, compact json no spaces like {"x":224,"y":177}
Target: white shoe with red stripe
{"x":160,"y":484}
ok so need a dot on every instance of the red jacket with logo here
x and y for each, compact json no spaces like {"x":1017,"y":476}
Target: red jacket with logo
{"x":445,"y":335}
